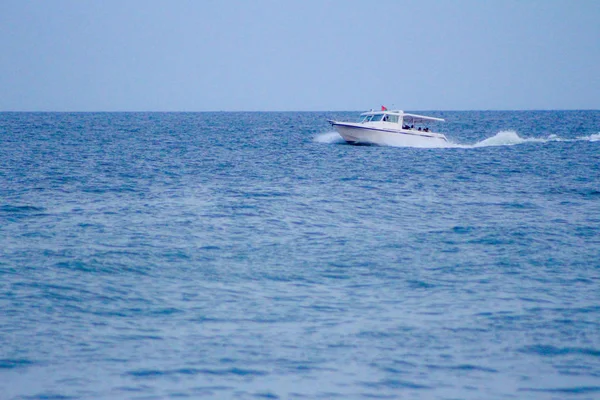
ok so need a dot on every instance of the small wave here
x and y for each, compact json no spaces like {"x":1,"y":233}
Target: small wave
{"x":505,"y":138}
{"x":464,"y":367}
{"x":592,"y":138}
{"x":9,"y":208}
{"x":152,"y":373}
{"x":570,"y":390}
{"x":509,"y":138}
{"x":547,"y":350}
{"x":9,"y":363}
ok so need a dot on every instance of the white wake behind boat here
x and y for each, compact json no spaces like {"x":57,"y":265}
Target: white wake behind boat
{"x":391,"y":127}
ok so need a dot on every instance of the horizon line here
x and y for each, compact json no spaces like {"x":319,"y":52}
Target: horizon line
{"x":288,"y":111}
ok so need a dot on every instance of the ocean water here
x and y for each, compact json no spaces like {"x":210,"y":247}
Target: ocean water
{"x":255,"y":255}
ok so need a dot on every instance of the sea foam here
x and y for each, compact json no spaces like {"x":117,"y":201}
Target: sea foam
{"x":502,"y":138}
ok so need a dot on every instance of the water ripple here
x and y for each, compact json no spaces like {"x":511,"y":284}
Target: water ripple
{"x":230,"y":255}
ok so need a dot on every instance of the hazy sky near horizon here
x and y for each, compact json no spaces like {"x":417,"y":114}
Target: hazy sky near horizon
{"x":204,"y":55}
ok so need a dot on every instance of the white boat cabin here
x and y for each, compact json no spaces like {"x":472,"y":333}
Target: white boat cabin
{"x":398,"y":119}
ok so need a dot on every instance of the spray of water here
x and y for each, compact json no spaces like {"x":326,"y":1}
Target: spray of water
{"x":592,"y":138}
{"x":329,"y":137}
{"x":502,"y":138}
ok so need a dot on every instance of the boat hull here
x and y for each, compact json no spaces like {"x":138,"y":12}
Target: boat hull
{"x":360,"y":134}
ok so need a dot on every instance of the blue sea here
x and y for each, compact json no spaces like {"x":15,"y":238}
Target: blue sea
{"x":256,"y":255}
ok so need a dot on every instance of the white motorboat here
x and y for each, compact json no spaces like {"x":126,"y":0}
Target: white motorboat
{"x":391,"y":127}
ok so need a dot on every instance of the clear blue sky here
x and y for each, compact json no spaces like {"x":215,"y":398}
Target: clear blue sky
{"x":197,"y":55}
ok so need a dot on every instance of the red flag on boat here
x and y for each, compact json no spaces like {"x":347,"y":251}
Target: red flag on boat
{"x":383,"y":108}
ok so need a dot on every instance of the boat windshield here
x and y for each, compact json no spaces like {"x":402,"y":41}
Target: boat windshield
{"x":366,"y":118}
{"x":379,"y":117}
